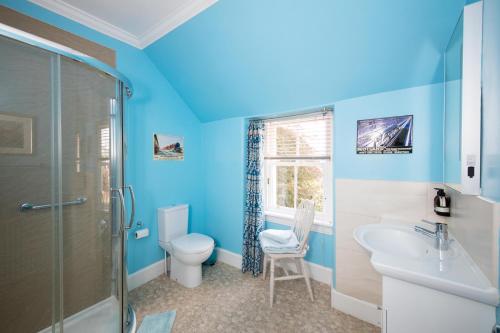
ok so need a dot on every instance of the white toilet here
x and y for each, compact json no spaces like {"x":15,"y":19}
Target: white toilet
{"x":187,"y":251}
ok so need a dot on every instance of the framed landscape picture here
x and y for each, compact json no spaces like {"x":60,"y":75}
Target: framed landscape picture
{"x":167,"y":147}
{"x":16,"y":135}
{"x":391,"y":135}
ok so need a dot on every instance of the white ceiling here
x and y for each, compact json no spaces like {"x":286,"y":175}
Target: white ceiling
{"x":138,"y":23}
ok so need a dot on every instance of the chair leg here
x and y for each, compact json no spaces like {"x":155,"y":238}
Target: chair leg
{"x":271,"y":283}
{"x":265,"y":267}
{"x":306,"y":277}
{"x":297,"y":265}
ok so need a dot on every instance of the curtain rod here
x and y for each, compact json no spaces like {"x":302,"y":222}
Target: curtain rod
{"x":319,"y":110}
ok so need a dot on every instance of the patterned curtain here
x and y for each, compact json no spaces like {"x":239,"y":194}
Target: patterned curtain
{"x":254,"y":217}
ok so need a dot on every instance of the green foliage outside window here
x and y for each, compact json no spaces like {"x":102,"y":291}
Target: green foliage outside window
{"x":309,"y":178}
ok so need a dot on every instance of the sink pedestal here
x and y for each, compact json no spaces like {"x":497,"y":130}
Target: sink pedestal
{"x":412,"y":308}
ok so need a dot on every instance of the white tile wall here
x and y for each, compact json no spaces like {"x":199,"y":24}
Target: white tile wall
{"x":361,"y":202}
{"x":474,"y":222}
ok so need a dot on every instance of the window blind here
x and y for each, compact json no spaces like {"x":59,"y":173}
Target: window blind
{"x":299,"y":137}
{"x":105,"y":142}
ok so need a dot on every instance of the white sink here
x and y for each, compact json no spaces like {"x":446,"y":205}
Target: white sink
{"x":398,"y":251}
{"x":398,"y":240}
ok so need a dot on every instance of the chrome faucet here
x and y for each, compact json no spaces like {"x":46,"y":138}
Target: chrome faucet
{"x":440,"y":234}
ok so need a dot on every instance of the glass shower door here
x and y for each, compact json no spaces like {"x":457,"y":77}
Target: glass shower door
{"x":61,"y":216}
{"x":90,"y":137}
{"x":28,"y":241}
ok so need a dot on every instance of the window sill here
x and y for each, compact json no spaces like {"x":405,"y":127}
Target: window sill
{"x":319,"y":226}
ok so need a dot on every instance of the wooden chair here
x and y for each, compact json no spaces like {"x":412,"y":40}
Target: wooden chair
{"x":304,"y":217}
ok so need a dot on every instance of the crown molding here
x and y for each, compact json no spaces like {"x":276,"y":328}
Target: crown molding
{"x":170,"y":22}
{"x":165,"y":25}
{"x":64,"y":9}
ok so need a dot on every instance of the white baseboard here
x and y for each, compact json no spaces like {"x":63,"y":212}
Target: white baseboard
{"x":228,"y":257}
{"x":317,"y":272}
{"x":146,"y":274}
{"x":357,"y":308}
{"x":320,"y":273}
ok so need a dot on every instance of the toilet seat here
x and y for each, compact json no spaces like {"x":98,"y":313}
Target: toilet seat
{"x":192,"y":244}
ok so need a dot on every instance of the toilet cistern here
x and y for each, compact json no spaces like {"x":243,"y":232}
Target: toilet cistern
{"x":187,"y":251}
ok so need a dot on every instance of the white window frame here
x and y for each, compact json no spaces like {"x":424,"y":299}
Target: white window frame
{"x":323,"y":222}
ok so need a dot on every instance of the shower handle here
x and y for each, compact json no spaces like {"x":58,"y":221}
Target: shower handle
{"x":132,"y":213}
{"x":122,"y":202}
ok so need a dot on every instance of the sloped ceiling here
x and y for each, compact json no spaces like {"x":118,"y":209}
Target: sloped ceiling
{"x":246,"y":58}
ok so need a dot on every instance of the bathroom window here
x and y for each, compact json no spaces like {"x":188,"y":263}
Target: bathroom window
{"x":298,"y":164}
{"x":104,"y":166}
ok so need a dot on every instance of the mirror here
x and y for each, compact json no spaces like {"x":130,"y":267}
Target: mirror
{"x":462,"y":110}
{"x":453,"y":107}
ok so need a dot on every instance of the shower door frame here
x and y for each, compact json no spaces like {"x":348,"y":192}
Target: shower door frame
{"x":117,"y":159}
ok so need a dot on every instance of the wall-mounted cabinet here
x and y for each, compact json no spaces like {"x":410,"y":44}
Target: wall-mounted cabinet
{"x":462,"y":119}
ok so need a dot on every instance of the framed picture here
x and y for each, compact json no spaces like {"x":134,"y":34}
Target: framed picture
{"x":167,"y":147}
{"x":391,"y":135}
{"x":16,"y":134}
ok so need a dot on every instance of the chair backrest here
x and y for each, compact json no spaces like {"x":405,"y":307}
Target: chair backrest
{"x":304,"y":218}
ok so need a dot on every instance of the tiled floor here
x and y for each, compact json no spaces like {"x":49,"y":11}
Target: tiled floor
{"x":229,"y":301}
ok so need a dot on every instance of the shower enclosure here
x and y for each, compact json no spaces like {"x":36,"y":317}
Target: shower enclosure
{"x":62,"y":207}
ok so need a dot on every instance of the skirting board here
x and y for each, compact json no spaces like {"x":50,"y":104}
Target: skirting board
{"x":228,"y":257}
{"x":365,"y":311}
{"x":317,"y":272}
{"x":146,"y":274}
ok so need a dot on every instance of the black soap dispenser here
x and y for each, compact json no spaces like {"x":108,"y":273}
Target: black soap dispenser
{"x":442,"y":203}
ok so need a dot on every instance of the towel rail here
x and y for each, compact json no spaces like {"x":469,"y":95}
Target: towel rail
{"x":29,"y":206}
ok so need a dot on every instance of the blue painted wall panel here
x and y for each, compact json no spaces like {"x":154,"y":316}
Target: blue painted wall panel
{"x":425,"y":103}
{"x":452,"y":132}
{"x":223,"y":165}
{"x":243,"y":58}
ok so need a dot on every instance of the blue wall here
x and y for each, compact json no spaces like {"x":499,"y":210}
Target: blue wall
{"x":425,"y":103}
{"x":224,"y":165}
{"x":211,"y":178}
{"x":452,"y":132}
{"x":453,"y":105}
{"x":243,"y":58}
{"x":224,"y":155}
{"x":155,"y":107}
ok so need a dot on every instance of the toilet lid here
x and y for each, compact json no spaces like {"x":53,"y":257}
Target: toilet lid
{"x":192,"y":243}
